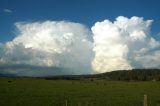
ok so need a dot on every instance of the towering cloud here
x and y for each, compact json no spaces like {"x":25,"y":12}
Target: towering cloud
{"x":124,"y":44}
{"x":43,"y":48}
{"x":50,"y":44}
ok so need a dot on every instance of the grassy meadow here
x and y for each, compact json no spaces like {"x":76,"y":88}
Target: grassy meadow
{"x":85,"y":92}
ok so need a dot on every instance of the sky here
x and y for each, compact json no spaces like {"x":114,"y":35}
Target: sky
{"x":82,"y":11}
{"x":89,"y":35}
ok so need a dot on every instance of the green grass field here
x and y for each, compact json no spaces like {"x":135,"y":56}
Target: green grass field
{"x":41,"y":92}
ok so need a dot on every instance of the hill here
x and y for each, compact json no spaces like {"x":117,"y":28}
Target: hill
{"x":123,"y":75}
{"x":135,"y":74}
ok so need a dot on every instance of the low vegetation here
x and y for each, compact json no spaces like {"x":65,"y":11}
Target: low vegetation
{"x":81,"y":92}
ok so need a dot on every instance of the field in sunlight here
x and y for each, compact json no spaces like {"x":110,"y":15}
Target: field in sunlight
{"x":85,"y":92}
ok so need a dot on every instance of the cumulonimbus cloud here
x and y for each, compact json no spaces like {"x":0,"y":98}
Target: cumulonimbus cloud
{"x":125,"y":43}
{"x":50,"y":44}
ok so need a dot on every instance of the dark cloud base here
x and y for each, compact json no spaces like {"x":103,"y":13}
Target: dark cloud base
{"x":33,"y":71}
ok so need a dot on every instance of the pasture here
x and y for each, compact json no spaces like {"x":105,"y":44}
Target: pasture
{"x":84,"y":92}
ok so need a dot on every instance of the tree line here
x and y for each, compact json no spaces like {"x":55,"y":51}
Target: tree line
{"x":135,"y":74}
{"x":122,"y":75}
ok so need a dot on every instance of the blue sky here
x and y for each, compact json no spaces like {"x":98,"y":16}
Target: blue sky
{"x":82,"y":11}
{"x":78,"y":36}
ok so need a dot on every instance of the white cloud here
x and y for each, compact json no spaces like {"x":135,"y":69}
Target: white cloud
{"x":125,"y":43}
{"x":110,"y":50}
{"x":7,"y":10}
{"x":51,"y":44}
{"x":119,"y":44}
{"x":151,"y":60}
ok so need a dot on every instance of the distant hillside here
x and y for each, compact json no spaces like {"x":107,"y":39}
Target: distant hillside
{"x":135,"y":74}
{"x":7,"y":75}
{"x":124,"y":75}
